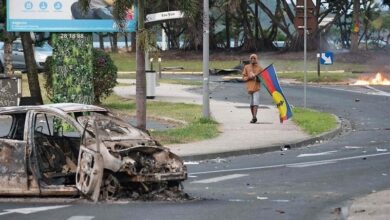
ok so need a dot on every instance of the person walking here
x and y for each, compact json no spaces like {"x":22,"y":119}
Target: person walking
{"x":249,"y":74}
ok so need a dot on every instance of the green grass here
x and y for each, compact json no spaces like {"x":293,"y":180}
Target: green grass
{"x":285,"y":68}
{"x":124,"y":61}
{"x":127,"y":62}
{"x":26,"y":89}
{"x":313,"y":122}
{"x":197,"y":128}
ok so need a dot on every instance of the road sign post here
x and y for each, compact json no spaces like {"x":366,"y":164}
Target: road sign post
{"x":325,"y":21}
{"x":305,"y":22}
{"x":326,"y":58}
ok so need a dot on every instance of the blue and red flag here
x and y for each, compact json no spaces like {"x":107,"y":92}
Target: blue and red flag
{"x":270,"y":81}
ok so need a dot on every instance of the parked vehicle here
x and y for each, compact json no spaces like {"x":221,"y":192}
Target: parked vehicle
{"x":18,"y":61}
{"x":72,"y":149}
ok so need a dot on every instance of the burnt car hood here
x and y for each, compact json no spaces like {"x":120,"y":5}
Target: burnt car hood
{"x":111,"y":129}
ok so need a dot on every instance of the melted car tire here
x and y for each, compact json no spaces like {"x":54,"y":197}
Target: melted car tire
{"x":110,"y":187}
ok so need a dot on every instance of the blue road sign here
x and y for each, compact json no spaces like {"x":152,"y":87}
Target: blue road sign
{"x":327,"y":58}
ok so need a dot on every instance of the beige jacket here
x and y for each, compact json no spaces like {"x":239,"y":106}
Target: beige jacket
{"x":248,"y":75}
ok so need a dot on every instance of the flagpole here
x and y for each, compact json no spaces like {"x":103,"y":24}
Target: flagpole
{"x":304,"y":53}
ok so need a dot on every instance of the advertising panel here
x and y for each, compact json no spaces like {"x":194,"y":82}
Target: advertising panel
{"x":63,"y":16}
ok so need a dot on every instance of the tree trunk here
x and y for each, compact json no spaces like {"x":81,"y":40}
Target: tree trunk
{"x":114,"y":48}
{"x":8,"y":69}
{"x":227,"y":27}
{"x":256,"y":21}
{"x":133,"y":41}
{"x":126,"y":42}
{"x":355,"y":26}
{"x":140,"y":75}
{"x":101,"y":41}
{"x":250,"y":43}
{"x":32,"y":72}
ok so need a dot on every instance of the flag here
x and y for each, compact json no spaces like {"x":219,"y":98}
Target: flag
{"x":270,"y":81}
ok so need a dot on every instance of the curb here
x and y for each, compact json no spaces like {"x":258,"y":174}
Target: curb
{"x":260,"y":150}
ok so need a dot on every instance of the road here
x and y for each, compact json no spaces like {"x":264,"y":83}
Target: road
{"x":313,"y":182}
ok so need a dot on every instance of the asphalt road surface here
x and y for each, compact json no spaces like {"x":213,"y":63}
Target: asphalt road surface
{"x":313,"y":182}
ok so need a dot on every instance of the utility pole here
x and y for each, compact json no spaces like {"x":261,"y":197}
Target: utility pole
{"x":206,"y":50}
{"x":140,"y":73}
{"x":305,"y":53}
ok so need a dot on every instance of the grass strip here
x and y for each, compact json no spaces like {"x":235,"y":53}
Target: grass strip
{"x":313,"y":122}
{"x":196,"y":129}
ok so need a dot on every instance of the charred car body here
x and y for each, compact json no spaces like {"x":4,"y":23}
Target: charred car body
{"x":73,"y":149}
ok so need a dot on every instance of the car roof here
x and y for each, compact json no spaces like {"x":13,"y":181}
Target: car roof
{"x":65,"y":107}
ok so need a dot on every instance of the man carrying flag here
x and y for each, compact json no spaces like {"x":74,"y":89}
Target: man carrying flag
{"x":252,"y":85}
{"x":270,"y":81}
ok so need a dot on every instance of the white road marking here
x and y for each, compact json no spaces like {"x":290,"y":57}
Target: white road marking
{"x":290,"y":164}
{"x":81,"y":218}
{"x":317,"y":154}
{"x":380,"y":92}
{"x":281,"y":200}
{"x":309,"y":164}
{"x":236,"y":200}
{"x":191,"y":163}
{"x":32,"y":209}
{"x":221,"y":178}
{"x":381,"y":150}
{"x":353,"y":147}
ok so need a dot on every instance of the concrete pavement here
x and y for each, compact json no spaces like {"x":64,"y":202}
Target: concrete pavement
{"x":239,"y":137}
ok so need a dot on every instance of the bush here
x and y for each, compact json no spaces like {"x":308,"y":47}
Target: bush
{"x":104,"y":75}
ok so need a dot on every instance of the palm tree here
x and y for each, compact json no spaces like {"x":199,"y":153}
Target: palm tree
{"x":355,"y":25}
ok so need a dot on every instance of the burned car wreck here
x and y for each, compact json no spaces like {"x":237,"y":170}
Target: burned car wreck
{"x":74,"y":149}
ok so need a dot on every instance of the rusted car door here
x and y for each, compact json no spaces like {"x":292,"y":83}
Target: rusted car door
{"x":13,"y":174}
{"x":52,"y":162}
{"x":90,"y":166}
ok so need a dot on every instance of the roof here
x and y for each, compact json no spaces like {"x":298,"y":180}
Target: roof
{"x":65,"y":107}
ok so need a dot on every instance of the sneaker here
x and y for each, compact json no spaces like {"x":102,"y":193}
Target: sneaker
{"x":254,"y":120}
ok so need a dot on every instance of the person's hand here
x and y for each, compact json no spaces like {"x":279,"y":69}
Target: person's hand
{"x":251,"y":75}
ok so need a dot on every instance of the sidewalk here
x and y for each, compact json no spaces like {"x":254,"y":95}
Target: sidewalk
{"x":239,"y":137}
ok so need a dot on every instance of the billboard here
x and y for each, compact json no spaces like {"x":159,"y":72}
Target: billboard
{"x":63,"y":16}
